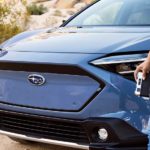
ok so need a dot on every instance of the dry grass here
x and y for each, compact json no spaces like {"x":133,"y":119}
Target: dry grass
{"x":10,"y":28}
{"x":7,"y":31}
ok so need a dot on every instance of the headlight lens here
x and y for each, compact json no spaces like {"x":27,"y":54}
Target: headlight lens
{"x":124,"y":65}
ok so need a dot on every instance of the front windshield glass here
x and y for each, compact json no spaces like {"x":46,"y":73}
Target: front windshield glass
{"x":115,"y":12}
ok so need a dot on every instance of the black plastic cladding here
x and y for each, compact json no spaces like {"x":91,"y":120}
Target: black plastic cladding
{"x":122,"y":136}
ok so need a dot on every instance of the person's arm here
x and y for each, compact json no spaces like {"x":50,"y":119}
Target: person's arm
{"x":143,"y":67}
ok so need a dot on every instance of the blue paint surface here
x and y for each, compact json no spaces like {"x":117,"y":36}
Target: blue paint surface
{"x":75,"y":47}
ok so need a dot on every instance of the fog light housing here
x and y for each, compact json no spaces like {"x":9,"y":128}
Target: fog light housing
{"x":103,"y":134}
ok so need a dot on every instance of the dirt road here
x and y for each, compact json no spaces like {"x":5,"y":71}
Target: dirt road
{"x":8,"y":144}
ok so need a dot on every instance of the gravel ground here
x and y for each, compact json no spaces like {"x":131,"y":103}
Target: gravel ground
{"x":8,"y":144}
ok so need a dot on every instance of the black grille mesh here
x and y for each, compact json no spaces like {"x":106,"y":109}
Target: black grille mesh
{"x":43,"y":127}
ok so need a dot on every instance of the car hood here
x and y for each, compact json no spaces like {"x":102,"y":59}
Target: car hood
{"x":85,"y":40}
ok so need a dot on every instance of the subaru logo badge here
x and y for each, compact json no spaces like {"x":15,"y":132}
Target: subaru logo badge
{"x":36,"y":79}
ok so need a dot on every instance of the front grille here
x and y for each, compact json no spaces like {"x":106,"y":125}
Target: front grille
{"x":41,"y":127}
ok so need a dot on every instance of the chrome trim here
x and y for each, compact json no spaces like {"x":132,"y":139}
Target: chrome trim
{"x":46,"y":141}
{"x":126,"y":72}
{"x":120,"y":59}
{"x":96,"y":62}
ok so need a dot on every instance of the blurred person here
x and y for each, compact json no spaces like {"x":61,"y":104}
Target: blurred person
{"x":143,"y":67}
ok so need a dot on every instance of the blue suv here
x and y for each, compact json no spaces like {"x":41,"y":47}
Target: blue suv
{"x":74,"y":85}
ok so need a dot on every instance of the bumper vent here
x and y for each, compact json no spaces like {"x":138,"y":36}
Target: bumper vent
{"x":41,"y":127}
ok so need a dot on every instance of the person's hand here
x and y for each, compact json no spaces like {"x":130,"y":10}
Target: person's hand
{"x":144,"y":68}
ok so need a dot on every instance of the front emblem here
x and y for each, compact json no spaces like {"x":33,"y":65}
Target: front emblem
{"x":36,"y":79}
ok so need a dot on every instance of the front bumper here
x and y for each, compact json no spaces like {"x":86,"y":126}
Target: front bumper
{"x":46,"y":141}
{"x":81,"y":134}
{"x":67,"y":144}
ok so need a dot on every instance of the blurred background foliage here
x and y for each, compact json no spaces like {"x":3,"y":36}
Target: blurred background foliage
{"x":8,"y":21}
{"x":34,"y":9}
{"x":9,"y":29}
{"x":20,"y":15}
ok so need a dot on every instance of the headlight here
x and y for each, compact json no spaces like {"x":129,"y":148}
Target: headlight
{"x":122,"y":64}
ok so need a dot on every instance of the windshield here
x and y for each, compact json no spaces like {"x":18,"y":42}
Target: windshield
{"x":114,"y":12}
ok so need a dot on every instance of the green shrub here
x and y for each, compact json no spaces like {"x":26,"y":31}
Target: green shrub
{"x":36,"y":9}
